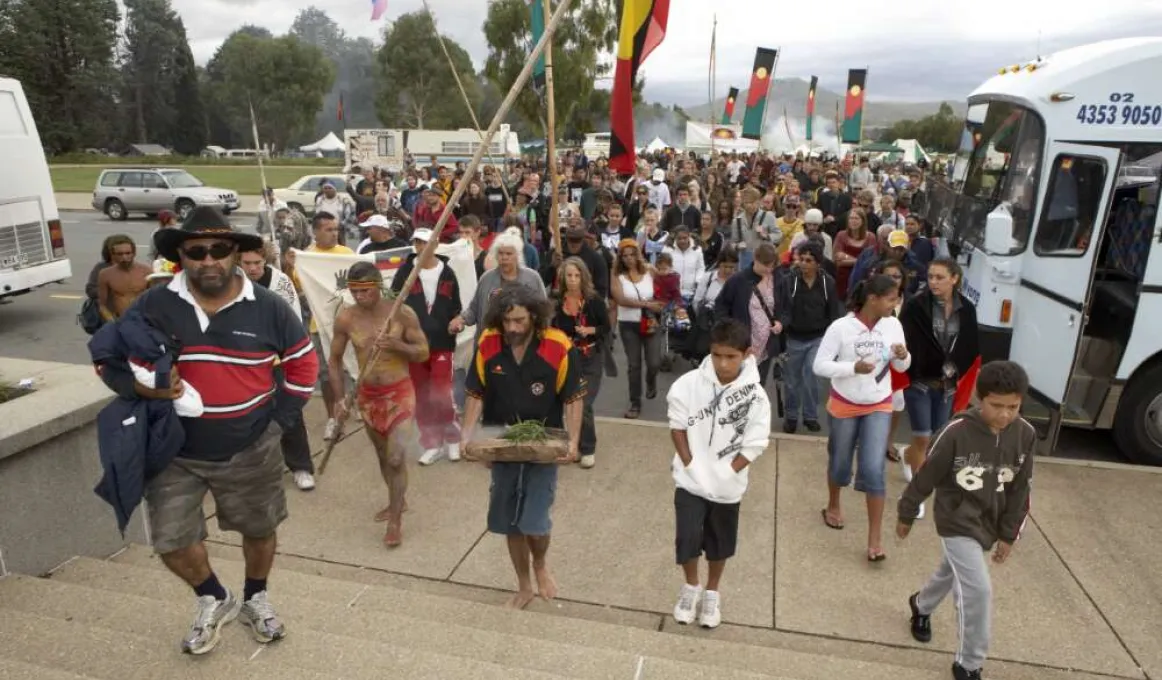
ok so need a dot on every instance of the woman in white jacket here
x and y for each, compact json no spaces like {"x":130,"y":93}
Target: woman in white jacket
{"x":857,"y":354}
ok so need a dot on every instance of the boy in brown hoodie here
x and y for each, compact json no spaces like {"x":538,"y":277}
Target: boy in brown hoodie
{"x":980,"y":466}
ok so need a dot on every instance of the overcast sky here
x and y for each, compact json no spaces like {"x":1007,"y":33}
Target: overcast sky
{"x":915,"y":49}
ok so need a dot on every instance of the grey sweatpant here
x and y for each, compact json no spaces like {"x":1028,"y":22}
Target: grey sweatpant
{"x":963,"y":571}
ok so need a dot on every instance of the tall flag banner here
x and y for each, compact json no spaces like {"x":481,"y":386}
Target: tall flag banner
{"x":341,"y":114}
{"x":642,"y":29}
{"x":537,"y":21}
{"x":852,"y":130}
{"x":378,"y":7}
{"x":811,"y":106}
{"x":760,"y":86}
{"x":728,"y":114}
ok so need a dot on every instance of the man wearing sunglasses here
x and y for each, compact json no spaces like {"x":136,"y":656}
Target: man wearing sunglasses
{"x":230,"y":333}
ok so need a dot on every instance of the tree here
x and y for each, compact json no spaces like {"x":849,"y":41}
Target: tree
{"x":189,"y":131}
{"x":355,"y":67}
{"x":283,"y":78}
{"x":937,"y":132}
{"x":419,"y":90}
{"x":63,"y":55}
{"x":588,"y":32}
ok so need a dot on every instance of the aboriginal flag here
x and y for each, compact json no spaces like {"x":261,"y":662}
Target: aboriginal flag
{"x":642,"y":28}
{"x":537,"y":23}
{"x":730,"y":99}
{"x":811,"y":106}
{"x":852,"y":130}
{"x":756,"y":97}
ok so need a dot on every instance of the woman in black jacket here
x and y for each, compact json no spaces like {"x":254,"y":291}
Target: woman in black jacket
{"x":735,"y":302}
{"x":941,"y":332}
{"x":582,"y":315}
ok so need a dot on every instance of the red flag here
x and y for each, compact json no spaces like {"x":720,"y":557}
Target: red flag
{"x":642,"y":29}
{"x":965,"y":386}
{"x":341,"y":112}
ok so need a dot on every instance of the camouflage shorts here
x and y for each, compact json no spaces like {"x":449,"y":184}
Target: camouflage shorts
{"x":247,"y":489}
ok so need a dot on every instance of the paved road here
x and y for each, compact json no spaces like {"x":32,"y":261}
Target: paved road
{"x":42,"y":325}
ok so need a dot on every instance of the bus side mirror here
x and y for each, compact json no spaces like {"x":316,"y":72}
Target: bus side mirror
{"x":998,"y":231}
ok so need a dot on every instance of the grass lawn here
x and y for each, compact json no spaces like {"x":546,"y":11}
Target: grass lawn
{"x":242,"y":179}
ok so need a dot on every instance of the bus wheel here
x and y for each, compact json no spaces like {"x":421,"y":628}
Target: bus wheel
{"x":1138,"y":423}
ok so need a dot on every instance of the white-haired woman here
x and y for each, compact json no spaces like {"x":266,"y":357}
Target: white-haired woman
{"x":511,"y":225}
{"x":507,"y":252}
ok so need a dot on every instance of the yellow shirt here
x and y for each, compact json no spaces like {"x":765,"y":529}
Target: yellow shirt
{"x":334,"y":250}
{"x":790,"y":231}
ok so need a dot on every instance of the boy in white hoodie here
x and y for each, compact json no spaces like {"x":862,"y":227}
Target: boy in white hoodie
{"x":720,"y":422}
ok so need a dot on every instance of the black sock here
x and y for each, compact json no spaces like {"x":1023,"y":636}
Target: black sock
{"x":210,"y":586}
{"x":253,"y":587}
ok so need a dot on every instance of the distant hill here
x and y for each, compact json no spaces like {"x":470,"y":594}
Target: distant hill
{"x":792,"y":94}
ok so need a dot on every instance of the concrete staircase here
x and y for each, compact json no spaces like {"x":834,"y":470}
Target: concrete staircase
{"x":121,"y":619}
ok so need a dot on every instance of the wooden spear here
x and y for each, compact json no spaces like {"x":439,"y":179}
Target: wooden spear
{"x":430,"y":248}
{"x":551,"y":142}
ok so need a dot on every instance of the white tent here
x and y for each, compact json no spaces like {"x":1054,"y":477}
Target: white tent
{"x":913,"y":152}
{"x":330,"y":143}
{"x":657,"y":145}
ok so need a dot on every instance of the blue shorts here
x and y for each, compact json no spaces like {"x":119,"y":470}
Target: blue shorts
{"x":928,"y":408}
{"x":521,"y":499}
{"x":866,"y":436}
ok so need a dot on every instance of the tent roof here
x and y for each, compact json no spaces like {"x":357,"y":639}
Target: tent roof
{"x":657,"y":145}
{"x":329,"y":143}
{"x":880,"y":147}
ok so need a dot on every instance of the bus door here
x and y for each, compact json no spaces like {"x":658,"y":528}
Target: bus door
{"x":1057,"y":275}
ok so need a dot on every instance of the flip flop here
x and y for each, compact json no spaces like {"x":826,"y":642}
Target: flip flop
{"x":876,"y":557}
{"x":836,"y":525}
{"x":893,"y":455}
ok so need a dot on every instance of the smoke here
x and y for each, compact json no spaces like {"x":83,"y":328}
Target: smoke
{"x":666,"y":124}
{"x":824,"y":136}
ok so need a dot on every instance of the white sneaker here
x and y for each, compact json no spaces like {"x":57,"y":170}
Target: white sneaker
{"x":687,"y":604}
{"x":711,"y":614}
{"x":453,"y":451}
{"x":304,"y":480}
{"x":907,"y":468}
{"x":331,"y":430}
{"x":920,"y":515}
{"x":588,"y":461}
{"x":431,"y":456}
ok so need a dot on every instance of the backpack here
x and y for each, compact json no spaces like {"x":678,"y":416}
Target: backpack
{"x":90,"y":317}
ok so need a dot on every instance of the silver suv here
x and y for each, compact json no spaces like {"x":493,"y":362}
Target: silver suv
{"x":121,"y":191}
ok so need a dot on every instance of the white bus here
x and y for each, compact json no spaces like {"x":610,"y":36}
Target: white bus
{"x":32,"y":245}
{"x":389,"y":148}
{"x":1053,"y":212}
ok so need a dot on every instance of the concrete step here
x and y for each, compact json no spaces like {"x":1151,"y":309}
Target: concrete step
{"x":17,"y":670}
{"x":696,"y":648}
{"x":161,"y":621}
{"x":126,"y":587}
{"x":74,"y":647}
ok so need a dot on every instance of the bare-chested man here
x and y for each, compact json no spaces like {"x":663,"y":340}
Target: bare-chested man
{"x":120,"y":284}
{"x":386,"y":397}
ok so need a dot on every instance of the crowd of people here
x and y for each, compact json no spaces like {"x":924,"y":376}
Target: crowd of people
{"x":752,"y":268}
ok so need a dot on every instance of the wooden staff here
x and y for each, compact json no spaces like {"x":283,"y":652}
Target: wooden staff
{"x":467,"y":101}
{"x":551,"y":143}
{"x":430,"y":248}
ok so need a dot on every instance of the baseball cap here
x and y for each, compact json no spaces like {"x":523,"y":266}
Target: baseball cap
{"x":898,"y":239}
{"x":376,"y":221}
{"x":422,"y":234}
{"x":659,"y":175}
{"x":813,"y":216}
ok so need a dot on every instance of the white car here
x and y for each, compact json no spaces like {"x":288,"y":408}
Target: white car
{"x":123,"y":190}
{"x":300,"y":195}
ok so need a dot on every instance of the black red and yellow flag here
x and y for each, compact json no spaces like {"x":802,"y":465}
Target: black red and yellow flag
{"x":642,"y":29}
{"x":811,"y":106}
{"x":756,"y":98}
{"x":851,"y":131}
{"x":728,"y":114}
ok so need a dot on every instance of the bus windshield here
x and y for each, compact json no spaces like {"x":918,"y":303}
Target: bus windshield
{"x":999,"y":161}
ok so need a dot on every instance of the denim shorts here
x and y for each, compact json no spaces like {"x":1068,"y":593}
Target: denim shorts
{"x":866,"y":435}
{"x":928,"y":408}
{"x":521,"y":499}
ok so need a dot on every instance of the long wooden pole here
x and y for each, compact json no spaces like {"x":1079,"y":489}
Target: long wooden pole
{"x":467,"y":101}
{"x":551,"y":141}
{"x":713,"y":85}
{"x":430,"y":248}
{"x":268,"y":200}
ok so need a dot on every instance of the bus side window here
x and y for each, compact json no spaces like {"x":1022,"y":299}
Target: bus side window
{"x":1071,"y":204}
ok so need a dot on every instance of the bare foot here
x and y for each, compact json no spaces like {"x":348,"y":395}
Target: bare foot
{"x":394,"y":535}
{"x":520,"y":600}
{"x":546,"y":584}
{"x":385,"y":514}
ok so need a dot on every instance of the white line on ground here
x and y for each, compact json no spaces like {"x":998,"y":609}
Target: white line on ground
{"x":357,"y":596}
{"x":641,"y":666}
{"x":3,"y":567}
{"x":67,"y":297}
{"x":256,"y":653}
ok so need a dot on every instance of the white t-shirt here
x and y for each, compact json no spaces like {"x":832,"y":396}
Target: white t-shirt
{"x":642,"y":290}
{"x":429,"y":279}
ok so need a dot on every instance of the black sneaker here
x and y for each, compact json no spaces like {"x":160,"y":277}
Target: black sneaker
{"x":812,"y":425}
{"x":789,"y":426}
{"x":959,"y":673}
{"x":922,"y":628}
{"x":652,"y":392}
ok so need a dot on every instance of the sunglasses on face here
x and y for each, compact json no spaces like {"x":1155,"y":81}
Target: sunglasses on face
{"x":218,"y":251}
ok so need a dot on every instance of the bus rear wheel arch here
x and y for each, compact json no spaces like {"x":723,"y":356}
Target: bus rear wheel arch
{"x":1138,"y":423}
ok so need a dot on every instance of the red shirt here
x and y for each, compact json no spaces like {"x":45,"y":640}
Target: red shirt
{"x":425,"y":216}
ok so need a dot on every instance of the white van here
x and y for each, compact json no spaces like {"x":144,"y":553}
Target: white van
{"x":32,"y":244}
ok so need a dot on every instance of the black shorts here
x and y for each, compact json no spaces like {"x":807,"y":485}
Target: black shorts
{"x":704,"y":526}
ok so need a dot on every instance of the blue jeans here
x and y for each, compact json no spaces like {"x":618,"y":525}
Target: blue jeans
{"x":866,"y":435}
{"x":745,"y":259}
{"x":928,"y":408}
{"x":802,"y":385}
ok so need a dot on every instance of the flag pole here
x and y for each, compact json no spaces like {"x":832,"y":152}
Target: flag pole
{"x":838,"y":133}
{"x":262,"y":175}
{"x":464,"y":95}
{"x":505,"y":106}
{"x":551,"y":141}
{"x":713,"y":84}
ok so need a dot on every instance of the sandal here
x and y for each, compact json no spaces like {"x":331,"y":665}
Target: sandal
{"x":893,"y":454}
{"x":827,"y":520}
{"x":633,"y":413}
{"x":878,"y":556}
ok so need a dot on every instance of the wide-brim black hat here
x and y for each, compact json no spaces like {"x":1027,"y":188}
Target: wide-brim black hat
{"x":202,"y":222}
